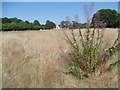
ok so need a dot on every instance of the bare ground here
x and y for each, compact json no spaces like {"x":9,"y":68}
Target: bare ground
{"x":30,"y":59}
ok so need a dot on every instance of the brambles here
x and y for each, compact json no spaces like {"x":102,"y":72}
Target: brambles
{"x":87,"y":55}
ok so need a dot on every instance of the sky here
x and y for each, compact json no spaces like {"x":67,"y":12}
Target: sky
{"x":54,"y":11}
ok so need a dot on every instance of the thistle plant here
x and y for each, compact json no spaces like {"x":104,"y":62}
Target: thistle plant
{"x":87,"y":56}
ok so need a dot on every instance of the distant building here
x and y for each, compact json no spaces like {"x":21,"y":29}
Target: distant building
{"x":58,"y":27}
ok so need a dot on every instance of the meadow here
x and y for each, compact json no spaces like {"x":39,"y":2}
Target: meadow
{"x":31,"y":59}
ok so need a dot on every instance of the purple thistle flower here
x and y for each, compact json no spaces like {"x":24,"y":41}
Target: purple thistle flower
{"x":88,"y":20}
{"x":88,"y":11}
{"x":97,"y":13}
{"x":76,"y":18}
{"x":80,"y":25}
{"x":62,"y":55}
{"x":70,"y":26}
{"x":68,"y":20}
{"x":91,"y":25}
{"x":102,"y":24}
{"x":87,"y":46}
{"x":105,"y":55}
{"x":98,"y":23}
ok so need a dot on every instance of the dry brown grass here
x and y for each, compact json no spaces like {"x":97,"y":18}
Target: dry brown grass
{"x":30,"y":60}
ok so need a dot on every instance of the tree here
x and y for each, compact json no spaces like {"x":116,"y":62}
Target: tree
{"x":36,"y":22}
{"x":49,"y":25}
{"x":76,"y":25}
{"x":108,"y":16}
{"x":64,"y":24}
{"x":5,"y":27}
{"x":15,"y":20}
{"x":27,"y":22}
{"x":5,"y":20}
{"x":118,"y":20}
{"x":10,"y":26}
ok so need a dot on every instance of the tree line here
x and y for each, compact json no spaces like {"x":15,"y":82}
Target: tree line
{"x":108,"y":16}
{"x":10,"y":24}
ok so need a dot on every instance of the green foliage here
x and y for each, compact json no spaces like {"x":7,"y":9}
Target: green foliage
{"x":88,"y":59}
{"x":76,"y":25}
{"x":5,"y":20}
{"x":36,"y":22}
{"x":118,"y":20}
{"x":64,"y":24}
{"x":27,"y":22}
{"x":15,"y":20}
{"x":10,"y":24}
{"x":87,"y":55}
{"x":49,"y":25}
{"x":111,"y":66}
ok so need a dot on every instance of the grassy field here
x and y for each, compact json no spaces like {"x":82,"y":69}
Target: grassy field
{"x":30,"y":59}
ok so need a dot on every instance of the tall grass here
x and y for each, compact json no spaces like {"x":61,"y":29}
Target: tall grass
{"x":32,"y":62}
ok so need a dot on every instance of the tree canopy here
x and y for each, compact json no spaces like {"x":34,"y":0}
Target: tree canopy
{"x":36,"y":22}
{"x":110,"y":17}
{"x":49,"y":25}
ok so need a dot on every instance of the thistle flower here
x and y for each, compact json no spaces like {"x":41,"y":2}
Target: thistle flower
{"x":70,"y":26}
{"x":62,"y":55}
{"x":88,"y":11}
{"x":68,"y":20}
{"x":87,"y":46}
{"x":105,"y":55}
{"x":80,"y":25}
{"x":76,"y":18}
{"x":91,"y":25}
{"x":98,"y":23}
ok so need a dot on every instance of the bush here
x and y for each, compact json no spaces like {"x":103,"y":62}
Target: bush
{"x":87,"y":57}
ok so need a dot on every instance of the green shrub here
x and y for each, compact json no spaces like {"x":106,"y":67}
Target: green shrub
{"x":87,"y":56}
